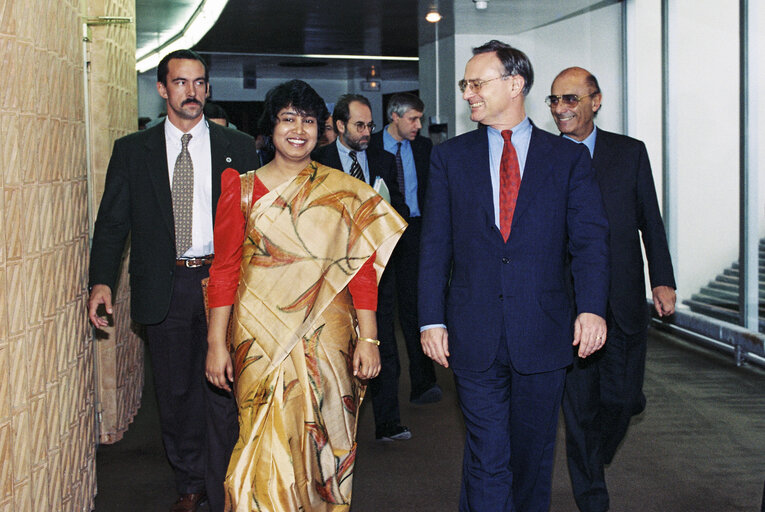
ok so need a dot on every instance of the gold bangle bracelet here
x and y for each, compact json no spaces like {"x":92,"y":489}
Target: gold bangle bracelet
{"x":370,"y":340}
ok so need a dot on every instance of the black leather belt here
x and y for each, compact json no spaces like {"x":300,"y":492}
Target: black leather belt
{"x":195,"y":262}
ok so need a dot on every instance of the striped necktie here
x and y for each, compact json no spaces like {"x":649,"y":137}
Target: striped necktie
{"x":356,"y":171}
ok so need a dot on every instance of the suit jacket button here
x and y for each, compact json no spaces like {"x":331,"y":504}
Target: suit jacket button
{"x":505,"y":260}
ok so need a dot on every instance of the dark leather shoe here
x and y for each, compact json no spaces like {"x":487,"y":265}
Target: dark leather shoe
{"x":392,"y":432}
{"x":189,"y":502}
{"x":429,"y":396}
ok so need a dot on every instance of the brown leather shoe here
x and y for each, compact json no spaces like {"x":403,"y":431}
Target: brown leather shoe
{"x":189,"y":502}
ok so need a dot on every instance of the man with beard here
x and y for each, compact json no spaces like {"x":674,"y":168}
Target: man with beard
{"x":351,"y":153}
{"x":162,"y":188}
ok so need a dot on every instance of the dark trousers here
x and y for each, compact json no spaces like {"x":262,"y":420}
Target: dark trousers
{"x":399,"y":283}
{"x":511,"y":421}
{"x":601,"y":395}
{"x":199,"y":422}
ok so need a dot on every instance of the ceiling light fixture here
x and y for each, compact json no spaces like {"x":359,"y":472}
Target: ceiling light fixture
{"x":433,"y":16}
{"x":481,"y":4}
{"x":373,"y":82}
{"x":198,"y":25}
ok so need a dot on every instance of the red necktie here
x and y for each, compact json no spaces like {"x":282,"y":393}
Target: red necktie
{"x":509,"y":183}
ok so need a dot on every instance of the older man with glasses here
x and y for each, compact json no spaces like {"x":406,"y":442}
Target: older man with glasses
{"x":604,"y":391}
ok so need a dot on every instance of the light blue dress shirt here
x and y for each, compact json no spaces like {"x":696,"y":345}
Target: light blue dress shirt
{"x":589,"y":141}
{"x":345,"y":159}
{"x":410,"y":172}
{"x":520,"y":139}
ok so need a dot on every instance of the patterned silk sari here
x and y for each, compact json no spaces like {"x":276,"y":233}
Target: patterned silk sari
{"x":294,"y":332}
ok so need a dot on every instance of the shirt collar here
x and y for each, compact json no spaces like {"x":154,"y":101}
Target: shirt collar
{"x":522,"y":128}
{"x":344,"y":150}
{"x":390,"y":141}
{"x":589,"y":141}
{"x":197,"y":132}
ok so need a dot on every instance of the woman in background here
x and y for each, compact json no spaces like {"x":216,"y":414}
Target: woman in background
{"x":299,"y":250}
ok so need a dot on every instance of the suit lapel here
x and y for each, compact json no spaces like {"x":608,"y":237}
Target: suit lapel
{"x":484,"y":195}
{"x":156,"y":163}
{"x":220,"y":161}
{"x":601,"y":158}
{"x":537,"y":167}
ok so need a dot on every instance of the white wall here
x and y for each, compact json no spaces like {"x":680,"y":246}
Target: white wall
{"x":591,"y":40}
{"x":447,"y":83}
{"x":704,"y":138}
{"x":757,"y":102}
{"x":230,"y":89}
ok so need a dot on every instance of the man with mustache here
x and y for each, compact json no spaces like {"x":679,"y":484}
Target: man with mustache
{"x":352,"y":118}
{"x":162,"y":188}
{"x":604,"y":391}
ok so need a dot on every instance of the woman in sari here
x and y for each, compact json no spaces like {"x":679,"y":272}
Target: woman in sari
{"x":299,"y":250}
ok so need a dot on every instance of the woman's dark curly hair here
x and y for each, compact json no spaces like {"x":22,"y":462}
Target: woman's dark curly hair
{"x":295,"y":93}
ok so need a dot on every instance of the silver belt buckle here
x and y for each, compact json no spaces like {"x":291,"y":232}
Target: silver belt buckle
{"x":194,"y":262}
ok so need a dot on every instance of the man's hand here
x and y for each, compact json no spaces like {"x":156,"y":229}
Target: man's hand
{"x":435,"y":345}
{"x":589,"y":333}
{"x":99,"y":294}
{"x":664,"y":300}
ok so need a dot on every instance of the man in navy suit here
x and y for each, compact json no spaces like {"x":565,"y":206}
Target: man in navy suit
{"x":603,"y":392}
{"x":493,"y":295}
{"x":198,"y":421}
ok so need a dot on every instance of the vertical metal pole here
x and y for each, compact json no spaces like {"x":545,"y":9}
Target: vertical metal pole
{"x":625,"y":72}
{"x":748,"y":298}
{"x":668,"y":189}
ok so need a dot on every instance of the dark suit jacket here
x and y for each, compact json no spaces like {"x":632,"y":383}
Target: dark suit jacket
{"x":421,"y":148}
{"x":629,"y":196}
{"x":381,"y":164}
{"x":137,"y":201}
{"x":478,"y":285}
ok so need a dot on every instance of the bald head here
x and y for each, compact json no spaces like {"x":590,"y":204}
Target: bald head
{"x":573,"y":117}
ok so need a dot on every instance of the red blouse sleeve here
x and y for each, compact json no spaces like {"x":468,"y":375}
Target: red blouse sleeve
{"x":228,"y":235}
{"x":363,"y":286}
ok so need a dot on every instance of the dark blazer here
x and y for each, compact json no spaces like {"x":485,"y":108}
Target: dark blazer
{"x":137,"y":201}
{"x":629,"y":196}
{"x":421,"y":148}
{"x":478,"y":285}
{"x":381,"y":164}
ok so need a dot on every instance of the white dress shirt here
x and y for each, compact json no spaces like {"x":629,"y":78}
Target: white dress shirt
{"x":201,"y":157}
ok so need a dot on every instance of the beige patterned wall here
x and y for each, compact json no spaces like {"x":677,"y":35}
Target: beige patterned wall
{"x":114,"y":113}
{"x":47,"y":399}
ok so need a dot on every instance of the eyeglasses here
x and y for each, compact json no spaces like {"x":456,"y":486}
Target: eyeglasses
{"x":475,"y":84}
{"x":360,"y":126}
{"x":570,"y":100}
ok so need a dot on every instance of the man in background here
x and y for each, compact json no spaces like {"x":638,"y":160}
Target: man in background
{"x":605,"y":390}
{"x":411,"y":152}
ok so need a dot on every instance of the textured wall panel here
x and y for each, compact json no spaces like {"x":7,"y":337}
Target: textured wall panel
{"x":113,"y":82}
{"x":47,"y":427}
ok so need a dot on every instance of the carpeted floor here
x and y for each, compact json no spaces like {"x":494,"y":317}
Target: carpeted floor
{"x":698,"y":447}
